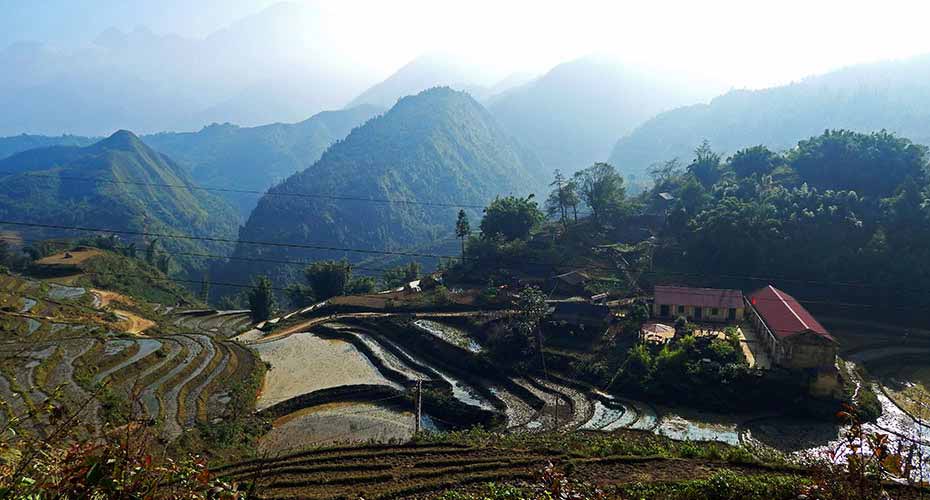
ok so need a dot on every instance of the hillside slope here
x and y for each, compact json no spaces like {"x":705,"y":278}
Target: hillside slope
{"x":890,"y":95}
{"x":255,"y":158}
{"x":439,"y":146}
{"x":50,"y":188}
{"x":571,"y":116}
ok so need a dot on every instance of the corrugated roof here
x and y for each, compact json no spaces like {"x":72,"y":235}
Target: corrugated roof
{"x":784,"y":315}
{"x":721,"y":298}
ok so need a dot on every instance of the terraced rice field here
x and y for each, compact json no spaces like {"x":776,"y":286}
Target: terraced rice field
{"x":337,"y":422}
{"x":304,"y":363}
{"x":424,"y":471}
{"x":54,"y":336}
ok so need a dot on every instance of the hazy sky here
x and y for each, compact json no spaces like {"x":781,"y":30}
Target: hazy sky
{"x":741,"y":43}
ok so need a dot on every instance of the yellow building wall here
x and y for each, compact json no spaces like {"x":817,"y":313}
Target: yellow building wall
{"x":689,"y":312}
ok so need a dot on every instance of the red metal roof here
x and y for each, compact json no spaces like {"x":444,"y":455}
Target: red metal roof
{"x":702,"y":297}
{"x":783,"y":314}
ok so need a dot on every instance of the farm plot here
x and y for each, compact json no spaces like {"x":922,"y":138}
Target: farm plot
{"x":335,"y":423}
{"x":304,"y":363}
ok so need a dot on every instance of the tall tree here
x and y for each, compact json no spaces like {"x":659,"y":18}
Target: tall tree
{"x":555,"y":204}
{"x":531,"y":309}
{"x":462,"y":229}
{"x":261,"y":299}
{"x":601,"y":188}
{"x":5,"y":253}
{"x":205,"y":287}
{"x":151,"y":252}
{"x":706,"y":165}
{"x":511,"y":218}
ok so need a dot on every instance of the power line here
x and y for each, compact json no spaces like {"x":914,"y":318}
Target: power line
{"x":270,"y":191}
{"x":419,"y":254}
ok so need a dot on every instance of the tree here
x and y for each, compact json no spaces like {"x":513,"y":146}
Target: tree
{"x":572,"y":199}
{"x":361,"y":285}
{"x":462,"y":229}
{"x":870,"y":164}
{"x":706,"y":165}
{"x":531,"y":309}
{"x":555,"y":204}
{"x":601,"y":188}
{"x":511,"y":218}
{"x":5,"y":254}
{"x":757,"y":160}
{"x":163,"y":263}
{"x":401,"y":275}
{"x":205,"y":287}
{"x":151,"y":252}
{"x":261,"y":299}
{"x":329,"y":278}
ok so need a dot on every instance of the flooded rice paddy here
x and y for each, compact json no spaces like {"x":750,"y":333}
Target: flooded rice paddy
{"x":303,"y":363}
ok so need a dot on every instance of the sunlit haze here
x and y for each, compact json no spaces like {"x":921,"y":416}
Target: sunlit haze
{"x":738,"y":43}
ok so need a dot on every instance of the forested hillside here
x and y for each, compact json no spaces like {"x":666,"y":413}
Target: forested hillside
{"x":104,"y":186}
{"x":418,"y":162}
{"x":844,"y":218}
{"x":891,"y":95}
{"x":573,"y":114}
{"x":255,"y":158}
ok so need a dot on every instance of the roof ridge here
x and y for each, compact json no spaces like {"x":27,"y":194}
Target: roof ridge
{"x":798,"y":317}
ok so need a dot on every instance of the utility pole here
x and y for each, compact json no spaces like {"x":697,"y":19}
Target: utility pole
{"x":416,"y":426}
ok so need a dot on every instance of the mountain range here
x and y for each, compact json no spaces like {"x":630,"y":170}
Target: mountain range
{"x":105,"y":185}
{"x":572,"y":115}
{"x":394,"y":183}
{"x":255,"y":158}
{"x":284,"y":64}
{"x":892,"y":95}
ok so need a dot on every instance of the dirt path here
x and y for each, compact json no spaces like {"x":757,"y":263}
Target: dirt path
{"x":104,"y":298}
{"x":132,"y":323}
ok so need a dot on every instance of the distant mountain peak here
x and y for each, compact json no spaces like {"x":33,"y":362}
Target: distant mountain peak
{"x":123,"y":140}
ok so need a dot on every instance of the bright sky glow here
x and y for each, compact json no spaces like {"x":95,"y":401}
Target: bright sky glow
{"x":740,"y":43}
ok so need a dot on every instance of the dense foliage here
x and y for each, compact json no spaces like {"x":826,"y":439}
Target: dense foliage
{"x":510,"y":218}
{"x":842,"y":207}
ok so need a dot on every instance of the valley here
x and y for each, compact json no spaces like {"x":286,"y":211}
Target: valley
{"x":262,"y":250}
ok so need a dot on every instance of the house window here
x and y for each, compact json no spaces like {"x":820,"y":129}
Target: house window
{"x":731,"y":314}
{"x":714,"y":311}
{"x":681,"y":309}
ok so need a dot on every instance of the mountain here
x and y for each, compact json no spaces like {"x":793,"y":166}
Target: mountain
{"x":439,"y":147}
{"x":423,"y":73}
{"x":284,"y":63}
{"x":572,"y":115}
{"x":256,"y":158}
{"x":50,"y":188}
{"x":18,"y":143}
{"x":891,"y":95}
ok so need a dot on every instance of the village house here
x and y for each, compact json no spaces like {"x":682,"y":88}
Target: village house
{"x":698,"y":304}
{"x":793,"y":338}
